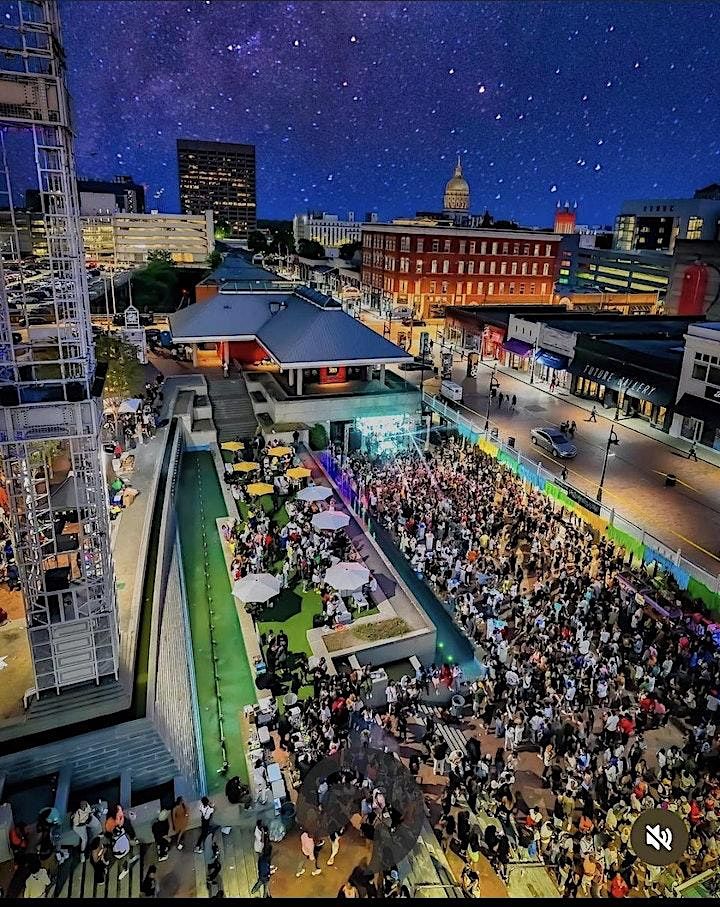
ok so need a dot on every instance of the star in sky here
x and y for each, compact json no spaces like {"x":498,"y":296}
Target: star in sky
{"x":364,"y":105}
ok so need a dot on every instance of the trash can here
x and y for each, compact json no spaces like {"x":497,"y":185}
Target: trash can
{"x":458,"y":704}
{"x":670,"y":480}
{"x":511,"y":442}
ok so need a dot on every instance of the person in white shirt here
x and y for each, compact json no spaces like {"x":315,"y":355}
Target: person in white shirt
{"x":260,"y":782}
{"x":207,"y":810}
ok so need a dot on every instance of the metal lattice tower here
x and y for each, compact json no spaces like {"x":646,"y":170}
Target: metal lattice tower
{"x":49,"y":386}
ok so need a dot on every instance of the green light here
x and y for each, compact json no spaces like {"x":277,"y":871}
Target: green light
{"x":441,"y":645}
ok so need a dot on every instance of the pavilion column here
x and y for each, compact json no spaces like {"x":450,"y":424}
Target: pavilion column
{"x":382,"y":374}
{"x":299,"y":382}
{"x":195,"y":354}
{"x":368,"y":372}
{"x":291,"y":377}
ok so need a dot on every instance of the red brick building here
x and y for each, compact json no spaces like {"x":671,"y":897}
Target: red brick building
{"x":427,"y":267}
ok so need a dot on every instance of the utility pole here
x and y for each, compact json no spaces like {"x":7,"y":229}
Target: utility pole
{"x":494,"y":385}
{"x":611,"y":442}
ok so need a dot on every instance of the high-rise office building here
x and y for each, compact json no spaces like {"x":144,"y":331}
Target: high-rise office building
{"x":218,"y":176}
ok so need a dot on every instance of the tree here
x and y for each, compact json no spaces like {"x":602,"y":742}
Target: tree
{"x":282,"y":240}
{"x":159,"y":255}
{"x":45,"y":453}
{"x":222,"y":229}
{"x":310,"y":248}
{"x":155,"y":287}
{"x":257,"y":242}
{"x":214,"y":259}
{"x":125,"y":375}
{"x":348,"y":249}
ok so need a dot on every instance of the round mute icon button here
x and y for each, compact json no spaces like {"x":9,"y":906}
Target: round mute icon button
{"x":659,"y":837}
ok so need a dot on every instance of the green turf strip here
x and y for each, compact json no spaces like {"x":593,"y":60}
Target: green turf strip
{"x":237,"y":687}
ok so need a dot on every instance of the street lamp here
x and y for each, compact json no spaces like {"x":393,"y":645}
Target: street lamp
{"x":612,"y":440}
{"x":494,"y":385}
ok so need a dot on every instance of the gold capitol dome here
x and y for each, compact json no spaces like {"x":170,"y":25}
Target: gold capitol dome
{"x":457,"y":191}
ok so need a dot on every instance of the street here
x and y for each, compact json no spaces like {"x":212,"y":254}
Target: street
{"x":685,"y":517}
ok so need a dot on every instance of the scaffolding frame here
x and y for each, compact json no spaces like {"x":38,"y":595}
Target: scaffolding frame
{"x":49,"y":387}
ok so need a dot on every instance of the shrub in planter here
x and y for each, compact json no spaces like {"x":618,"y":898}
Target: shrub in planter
{"x":317,"y":437}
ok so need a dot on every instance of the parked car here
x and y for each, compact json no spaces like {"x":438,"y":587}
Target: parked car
{"x":410,"y":322}
{"x":554,"y":441}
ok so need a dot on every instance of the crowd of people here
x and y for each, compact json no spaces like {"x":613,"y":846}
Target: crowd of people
{"x":571,"y":669}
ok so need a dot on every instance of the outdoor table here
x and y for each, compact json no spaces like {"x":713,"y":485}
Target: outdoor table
{"x":278,"y":790}
{"x":274,"y":772}
{"x":263,"y":735}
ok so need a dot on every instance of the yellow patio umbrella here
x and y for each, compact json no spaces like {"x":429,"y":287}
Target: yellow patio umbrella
{"x":232,"y":445}
{"x":259,"y":488}
{"x":245,"y":466}
{"x":279,"y":451}
{"x":298,"y":472}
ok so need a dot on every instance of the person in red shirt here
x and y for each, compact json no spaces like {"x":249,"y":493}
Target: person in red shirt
{"x":618,"y":887}
{"x":626,"y":727}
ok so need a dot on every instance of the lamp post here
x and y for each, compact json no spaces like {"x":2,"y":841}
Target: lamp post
{"x":494,"y":385}
{"x":612,"y":441}
{"x":532,"y":363}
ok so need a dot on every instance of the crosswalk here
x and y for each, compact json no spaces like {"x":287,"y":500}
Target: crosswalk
{"x":453,"y":736}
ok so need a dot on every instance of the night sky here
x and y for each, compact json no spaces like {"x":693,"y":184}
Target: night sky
{"x":364,"y":106}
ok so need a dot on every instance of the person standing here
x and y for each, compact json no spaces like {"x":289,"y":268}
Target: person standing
{"x":334,"y":847}
{"x":260,"y":782}
{"x":214,"y":868}
{"x":593,"y":415}
{"x":692,"y":453}
{"x":264,"y":872}
{"x":309,"y":852}
{"x":180,"y":817}
{"x":38,"y":882}
{"x":81,"y":823}
{"x":161,"y":835}
{"x":207,"y":810}
{"x":513,"y":403}
{"x":99,"y":860}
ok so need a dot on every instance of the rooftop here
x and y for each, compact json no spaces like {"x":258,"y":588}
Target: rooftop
{"x":310,"y":329}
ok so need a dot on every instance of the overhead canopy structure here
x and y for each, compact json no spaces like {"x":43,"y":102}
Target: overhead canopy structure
{"x":330,"y":519}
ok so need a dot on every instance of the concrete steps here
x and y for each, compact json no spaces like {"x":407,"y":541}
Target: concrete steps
{"x":77,"y":880}
{"x":232,"y":408}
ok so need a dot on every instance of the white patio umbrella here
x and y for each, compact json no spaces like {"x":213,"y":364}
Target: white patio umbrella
{"x":330,"y":519}
{"x":314,"y":493}
{"x":257,"y":587}
{"x":347,"y":576}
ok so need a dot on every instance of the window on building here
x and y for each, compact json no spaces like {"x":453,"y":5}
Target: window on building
{"x":502,"y":287}
{"x":537,"y":249}
{"x":436,"y":245}
{"x":513,"y":268}
{"x":471,"y":267}
{"x":418,"y":266}
{"x":389,"y":243}
{"x":546,"y":269}
{"x":491,"y":288}
{"x":432,"y":286}
{"x":503,"y":267}
{"x":548,"y":250}
{"x":405,"y":264}
{"x":534,"y":268}
{"x":543,"y":288}
{"x":522,"y":289}
{"x":700,"y":371}
{"x":483,"y":247}
{"x":461,"y":267}
{"x":512,"y":289}
{"x":494,"y":248}
{"x":463,"y":243}
{"x":481,"y":287}
{"x":695,"y":228}
{"x":532,"y":289}
{"x":505,"y":248}
{"x":404,"y":243}
{"x":446,"y":266}
{"x":472,"y":247}
{"x":433,"y":266}
{"x":481,"y":268}
{"x":403,"y":286}
{"x":523,"y":268}
{"x":714,"y":375}
{"x":446,"y":245}
{"x":420,"y":244}
{"x":468,"y":287}
{"x":516,"y":248}
{"x":444,"y":287}
{"x":492,"y":267}
{"x":526,"y":248}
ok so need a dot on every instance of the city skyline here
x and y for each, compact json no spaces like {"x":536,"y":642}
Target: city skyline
{"x":544,"y":101}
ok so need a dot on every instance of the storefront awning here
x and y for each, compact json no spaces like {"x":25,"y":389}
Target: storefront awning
{"x":708,"y":411}
{"x":517,"y":347}
{"x":653,"y":388}
{"x":552,"y":360}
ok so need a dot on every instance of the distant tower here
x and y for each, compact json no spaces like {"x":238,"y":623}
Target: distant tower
{"x":457,"y":192}
{"x":565,"y":218}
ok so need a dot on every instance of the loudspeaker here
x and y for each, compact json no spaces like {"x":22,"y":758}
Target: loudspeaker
{"x":9,"y":395}
{"x":75,"y":392}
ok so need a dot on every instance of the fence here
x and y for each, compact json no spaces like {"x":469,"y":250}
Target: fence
{"x":642,"y":545}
